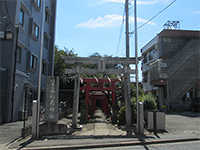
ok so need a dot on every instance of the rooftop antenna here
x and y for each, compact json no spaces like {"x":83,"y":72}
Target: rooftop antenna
{"x":172,"y":25}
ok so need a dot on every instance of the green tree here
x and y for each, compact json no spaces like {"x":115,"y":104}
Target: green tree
{"x":60,"y":65}
{"x":95,"y":66}
{"x":133,"y":90}
{"x":148,"y":99}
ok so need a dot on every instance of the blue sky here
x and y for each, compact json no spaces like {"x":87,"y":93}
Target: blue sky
{"x":90,"y":26}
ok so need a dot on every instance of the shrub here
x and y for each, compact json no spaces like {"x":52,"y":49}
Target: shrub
{"x":121,"y":116}
{"x":149,"y":101}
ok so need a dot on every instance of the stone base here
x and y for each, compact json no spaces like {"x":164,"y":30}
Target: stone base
{"x":49,"y":128}
{"x":26,"y":131}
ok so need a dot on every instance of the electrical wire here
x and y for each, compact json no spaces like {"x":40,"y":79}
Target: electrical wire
{"x":118,"y":5}
{"x":120,"y":34}
{"x":154,"y":16}
{"x":2,"y":12}
{"x":9,"y":14}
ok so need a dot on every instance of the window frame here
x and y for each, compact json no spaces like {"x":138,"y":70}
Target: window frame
{"x":37,"y":4}
{"x":33,"y":62}
{"x":44,"y":68}
{"x":21,"y":17}
{"x":18,"y":55}
{"x":145,"y":77}
{"x":47,"y":17}
{"x":48,"y":14}
{"x":46,"y":42}
{"x":145,"y":58}
{"x":36,"y":30}
{"x":47,"y":37}
{"x":151,"y":55}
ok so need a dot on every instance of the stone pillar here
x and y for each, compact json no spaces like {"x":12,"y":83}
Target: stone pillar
{"x":115,"y":110}
{"x":127,"y":98}
{"x":84,"y":113}
{"x":76,"y":96}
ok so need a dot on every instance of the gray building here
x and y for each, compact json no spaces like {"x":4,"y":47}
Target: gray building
{"x":24,"y":32}
{"x":171,"y":65}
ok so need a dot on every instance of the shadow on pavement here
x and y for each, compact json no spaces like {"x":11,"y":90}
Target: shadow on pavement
{"x":22,"y":145}
{"x":13,"y":141}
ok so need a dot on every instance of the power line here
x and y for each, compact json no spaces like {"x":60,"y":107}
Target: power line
{"x":118,"y":4}
{"x":155,"y":16}
{"x":120,"y":34}
{"x":9,"y":14}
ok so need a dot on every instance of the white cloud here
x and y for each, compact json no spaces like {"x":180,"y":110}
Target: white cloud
{"x":108,"y":21}
{"x":197,"y":12}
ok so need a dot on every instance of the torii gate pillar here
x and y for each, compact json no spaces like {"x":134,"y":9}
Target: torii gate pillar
{"x":76,"y":96}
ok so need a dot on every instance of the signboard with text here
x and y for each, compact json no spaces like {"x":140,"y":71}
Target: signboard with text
{"x":52,"y":95}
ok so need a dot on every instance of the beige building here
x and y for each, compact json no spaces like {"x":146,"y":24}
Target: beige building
{"x":171,"y":67}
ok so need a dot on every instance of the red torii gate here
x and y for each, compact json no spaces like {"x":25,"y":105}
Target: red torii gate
{"x":97,"y":95}
{"x":100,"y":87}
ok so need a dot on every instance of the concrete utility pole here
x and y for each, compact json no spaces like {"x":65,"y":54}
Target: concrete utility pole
{"x":139,"y":125}
{"x":127,"y":75}
{"x":40,"y":68}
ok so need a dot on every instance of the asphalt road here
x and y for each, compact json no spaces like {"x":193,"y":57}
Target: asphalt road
{"x":194,"y":145}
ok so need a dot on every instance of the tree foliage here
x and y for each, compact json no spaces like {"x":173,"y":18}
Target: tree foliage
{"x":95,"y":66}
{"x":148,"y":99}
{"x":60,"y":65}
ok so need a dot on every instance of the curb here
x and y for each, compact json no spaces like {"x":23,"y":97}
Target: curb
{"x":113,"y":144}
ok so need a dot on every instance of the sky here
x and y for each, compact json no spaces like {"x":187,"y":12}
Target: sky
{"x":90,"y":26}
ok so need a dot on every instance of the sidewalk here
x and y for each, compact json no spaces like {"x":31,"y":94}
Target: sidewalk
{"x":99,"y":132}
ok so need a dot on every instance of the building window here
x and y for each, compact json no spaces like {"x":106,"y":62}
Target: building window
{"x":37,"y":4}
{"x":145,"y":58}
{"x":36,"y":30}
{"x":47,"y":37}
{"x":145,"y":77}
{"x":33,"y":62}
{"x":44,"y":68}
{"x":47,"y":16}
{"x":21,"y":17}
{"x":151,"y":55}
{"x":48,"y":13}
{"x":18,"y":55}
{"x":46,"y":42}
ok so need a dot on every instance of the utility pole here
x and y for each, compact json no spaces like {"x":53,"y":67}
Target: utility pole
{"x":127,"y":29}
{"x":139,"y":125}
{"x":127,"y":76}
{"x":40,"y":70}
